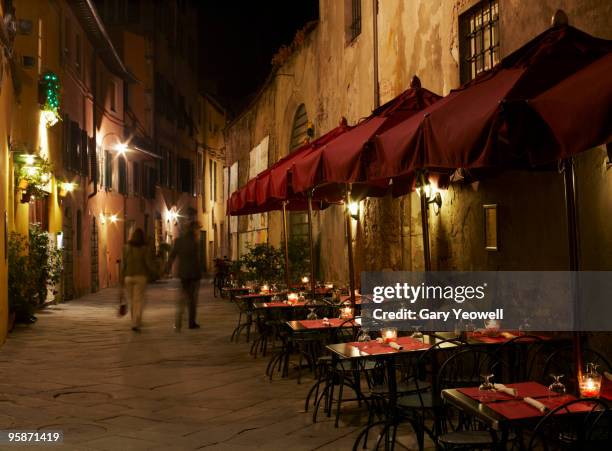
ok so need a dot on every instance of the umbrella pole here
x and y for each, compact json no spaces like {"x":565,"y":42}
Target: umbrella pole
{"x":349,"y":238}
{"x":311,"y":245}
{"x":569,"y":179}
{"x":425,"y":227}
{"x":286,"y":239}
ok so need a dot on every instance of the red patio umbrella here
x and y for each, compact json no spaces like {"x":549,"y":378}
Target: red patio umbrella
{"x":469,"y":128}
{"x":342,"y":160}
{"x":573,"y":116}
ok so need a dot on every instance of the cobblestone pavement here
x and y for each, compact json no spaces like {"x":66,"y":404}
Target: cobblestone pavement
{"x":82,"y":370}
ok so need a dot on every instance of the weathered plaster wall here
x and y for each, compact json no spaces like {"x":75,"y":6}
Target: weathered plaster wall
{"x":334,"y":79}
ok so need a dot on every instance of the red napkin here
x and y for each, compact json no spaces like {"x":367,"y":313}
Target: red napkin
{"x":519,"y":409}
{"x":524,"y":389}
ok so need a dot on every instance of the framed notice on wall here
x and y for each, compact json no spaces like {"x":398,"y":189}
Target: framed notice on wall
{"x":490,"y":227}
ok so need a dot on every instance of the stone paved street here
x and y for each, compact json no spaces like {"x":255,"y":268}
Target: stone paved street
{"x":82,"y":370}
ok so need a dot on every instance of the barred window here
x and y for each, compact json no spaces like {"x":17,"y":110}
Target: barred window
{"x":479,"y":39}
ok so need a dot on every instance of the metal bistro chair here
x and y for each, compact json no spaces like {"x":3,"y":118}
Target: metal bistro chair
{"x":416,"y":400}
{"x":564,"y":429}
{"x":344,"y":374}
{"x":244,"y":311}
{"x":455,"y":430}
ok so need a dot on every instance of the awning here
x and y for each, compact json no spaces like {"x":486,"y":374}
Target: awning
{"x":472,"y":127}
{"x":270,"y":188}
{"x":343,"y":159}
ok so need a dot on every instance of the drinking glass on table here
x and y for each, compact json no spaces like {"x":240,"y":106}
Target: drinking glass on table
{"x":363,"y":336}
{"x":557,"y":386}
{"x":312,"y":314}
{"x":417,"y":334}
{"x":487,"y":386}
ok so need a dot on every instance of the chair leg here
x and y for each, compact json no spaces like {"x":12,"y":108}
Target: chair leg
{"x":340,"y":391}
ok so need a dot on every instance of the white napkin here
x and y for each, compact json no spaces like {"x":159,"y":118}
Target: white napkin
{"x":507,"y":390}
{"x":534,"y":403}
{"x":396,"y":346}
{"x":608,"y":376}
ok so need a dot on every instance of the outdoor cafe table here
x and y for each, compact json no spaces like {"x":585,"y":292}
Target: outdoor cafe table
{"x":386,"y":354}
{"x":502,"y":412}
{"x":306,"y":325}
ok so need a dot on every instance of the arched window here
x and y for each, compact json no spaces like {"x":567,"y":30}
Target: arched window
{"x":298,"y":221}
{"x":299,"y":130}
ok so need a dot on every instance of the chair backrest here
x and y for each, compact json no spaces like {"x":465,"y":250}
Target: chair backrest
{"x":467,"y":367}
{"x":580,"y":424}
{"x":348,"y":331}
{"x":561,"y":361}
{"x":525,"y":354}
{"x":421,"y":369}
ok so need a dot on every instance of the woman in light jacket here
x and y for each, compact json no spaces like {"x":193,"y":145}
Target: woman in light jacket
{"x":135,"y":267}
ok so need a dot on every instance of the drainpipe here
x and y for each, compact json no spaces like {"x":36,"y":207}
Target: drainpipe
{"x":94,"y":84}
{"x":375,"y":53}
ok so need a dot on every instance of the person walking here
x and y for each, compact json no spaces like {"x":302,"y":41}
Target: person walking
{"x":135,"y":267}
{"x":185,"y":250}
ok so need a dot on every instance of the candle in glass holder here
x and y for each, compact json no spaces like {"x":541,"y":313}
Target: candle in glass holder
{"x":346,"y":312}
{"x":590,"y":385}
{"x":388,"y":334}
{"x":292,"y":298}
{"x":265,"y":289}
{"x":305,"y":279}
{"x":329,"y":286}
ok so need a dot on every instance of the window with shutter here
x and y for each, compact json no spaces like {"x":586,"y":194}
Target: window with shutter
{"x":108,"y":170}
{"x":136,"y":178}
{"x":93,"y":163}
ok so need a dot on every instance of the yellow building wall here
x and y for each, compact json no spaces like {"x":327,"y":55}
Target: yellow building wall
{"x":6,"y":109}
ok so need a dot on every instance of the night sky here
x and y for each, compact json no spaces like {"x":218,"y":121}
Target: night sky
{"x":238,"y":39}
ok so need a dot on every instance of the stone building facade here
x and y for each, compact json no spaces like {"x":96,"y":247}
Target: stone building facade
{"x":362,"y":53}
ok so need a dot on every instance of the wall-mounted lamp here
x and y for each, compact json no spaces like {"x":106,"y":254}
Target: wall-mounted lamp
{"x":353,"y":208}
{"x":113,"y":219}
{"x":121,"y":148}
{"x":172,"y":216}
{"x":425,"y":188}
{"x":66,"y":187}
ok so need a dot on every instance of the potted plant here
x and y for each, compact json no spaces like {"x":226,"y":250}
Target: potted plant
{"x":263,"y":264}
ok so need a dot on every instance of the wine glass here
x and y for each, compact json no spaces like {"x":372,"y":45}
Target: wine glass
{"x":417,"y":334}
{"x":487,"y":384}
{"x":557,"y":386}
{"x":363,"y":336}
{"x":312,"y":315}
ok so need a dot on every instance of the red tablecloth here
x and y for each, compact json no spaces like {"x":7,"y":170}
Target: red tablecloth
{"x":507,"y":335}
{"x":519,"y":409}
{"x":318,"y":323}
{"x":376,"y":348}
{"x":524,"y":389}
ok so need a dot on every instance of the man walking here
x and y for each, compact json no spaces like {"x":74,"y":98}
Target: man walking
{"x":185,"y":249}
